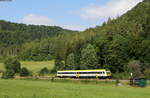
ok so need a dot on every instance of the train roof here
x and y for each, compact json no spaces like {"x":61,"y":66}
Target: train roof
{"x":81,"y":70}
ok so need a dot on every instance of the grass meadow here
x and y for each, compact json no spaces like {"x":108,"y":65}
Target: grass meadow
{"x":48,"y":89}
{"x":34,"y":66}
{"x":12,"y":88}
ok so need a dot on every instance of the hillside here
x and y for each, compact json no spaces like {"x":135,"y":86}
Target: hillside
{"x":116,"y":45}
{"x":14,"y":35}
{"x":135,"y":21}
{"x":125,"y":39}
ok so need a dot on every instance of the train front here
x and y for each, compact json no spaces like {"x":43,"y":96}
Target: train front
{"x":108,"y":74}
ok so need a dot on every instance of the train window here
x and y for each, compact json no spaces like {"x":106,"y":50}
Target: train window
{"x":83,"y":72}
{"x":66,"y":72}
{"x":108,"y":72}
{"x":100,"y":72}
{"x":88,"y":72}
{"x":93,"y":72}
{"x":70,"y":73}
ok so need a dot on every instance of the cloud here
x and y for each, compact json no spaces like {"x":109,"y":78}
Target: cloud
{"x":113,"y":9}
{"x":37,"y":20}
{"x":74,"y":27}
{"x":44,"y":20}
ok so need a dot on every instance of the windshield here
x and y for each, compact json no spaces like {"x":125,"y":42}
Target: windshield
{"x":108,"y":72}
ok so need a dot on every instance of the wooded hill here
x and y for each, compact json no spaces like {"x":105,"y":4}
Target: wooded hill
{"x":121,"y":44}
{"x":14,"y":35}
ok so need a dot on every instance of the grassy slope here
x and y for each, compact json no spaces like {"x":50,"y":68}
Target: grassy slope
{"x":34,"y":66}
{"x":47,"y":89}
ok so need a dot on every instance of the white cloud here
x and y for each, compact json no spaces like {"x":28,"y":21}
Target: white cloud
{"x":37,"y":19}
{"x":74,"y":27}
{"x":111,"y":9}
{"x":44,"y":20}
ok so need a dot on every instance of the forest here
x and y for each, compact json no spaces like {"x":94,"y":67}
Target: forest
{"x":13,"y":36}
{"x":121,"y":45}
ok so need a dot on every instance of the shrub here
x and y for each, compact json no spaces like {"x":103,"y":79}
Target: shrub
{"x":1,"y":71}
{"x":8,"y":74}
{"x":12,"y":64}
{"x":135,"y":68}
{"x":123,"y":75}
{"x":24,"y":72}
{"x":117,"y":82}
{"x":44,"y":71}
{"x":147,"y":73}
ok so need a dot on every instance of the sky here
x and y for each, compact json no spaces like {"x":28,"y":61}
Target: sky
{"x":69,"y":14}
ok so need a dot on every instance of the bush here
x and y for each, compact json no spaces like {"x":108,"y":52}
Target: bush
{"x":123,"y":75}
{"x":24,"y":72}
{"x":8,"y":74}
{"x":117,"y":82}
{"x":44,"y":71}
{"x":147,"y":73}
{"x":135,"y":68}
{"x":1,"y":71}
{"x":12,"y":64}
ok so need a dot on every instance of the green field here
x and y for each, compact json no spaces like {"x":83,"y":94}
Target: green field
{"x":47,"y":89}
{"x":34,"y":66}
